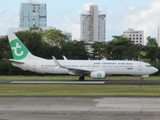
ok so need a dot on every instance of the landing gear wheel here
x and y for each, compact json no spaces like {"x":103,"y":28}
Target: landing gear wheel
{"x":81,"y":78}
{"x":141,"y":79}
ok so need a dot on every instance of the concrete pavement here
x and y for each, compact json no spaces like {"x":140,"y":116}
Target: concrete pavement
{"x":79,"y":108}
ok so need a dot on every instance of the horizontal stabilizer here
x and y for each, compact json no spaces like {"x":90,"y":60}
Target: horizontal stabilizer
{"x":14,"y":61}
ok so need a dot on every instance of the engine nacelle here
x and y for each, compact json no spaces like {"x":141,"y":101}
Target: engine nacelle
{"x":98,"y":74}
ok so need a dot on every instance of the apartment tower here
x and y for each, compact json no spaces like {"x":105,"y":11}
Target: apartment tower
{"x":32,"y":14}
{"x":93,"y":25}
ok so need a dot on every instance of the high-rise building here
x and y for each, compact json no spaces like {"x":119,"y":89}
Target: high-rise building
{"x":137,"y":36}
{"x":93,"y":25}
{"x":32,"y":14}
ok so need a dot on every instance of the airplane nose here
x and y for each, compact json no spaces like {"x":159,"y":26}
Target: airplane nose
{"x":154,"y":70}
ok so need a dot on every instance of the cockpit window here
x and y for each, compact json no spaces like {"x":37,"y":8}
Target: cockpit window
{"x":148,"y":66}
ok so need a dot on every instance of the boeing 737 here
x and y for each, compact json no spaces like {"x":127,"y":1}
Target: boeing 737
{"x":23,"y":59}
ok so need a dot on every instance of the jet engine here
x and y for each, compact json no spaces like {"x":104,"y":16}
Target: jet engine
{"x":98,"y":74}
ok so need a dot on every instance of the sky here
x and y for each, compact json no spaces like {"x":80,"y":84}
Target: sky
{"x":65,"y":15}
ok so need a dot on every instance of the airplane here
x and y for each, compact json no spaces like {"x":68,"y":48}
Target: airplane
{"x":22,"y":58}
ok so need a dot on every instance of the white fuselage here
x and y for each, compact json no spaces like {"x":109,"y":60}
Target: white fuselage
{"x":111,"y":67}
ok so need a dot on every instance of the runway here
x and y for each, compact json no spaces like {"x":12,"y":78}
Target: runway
{"x":89,"y":82}
{"x":79,"y":108}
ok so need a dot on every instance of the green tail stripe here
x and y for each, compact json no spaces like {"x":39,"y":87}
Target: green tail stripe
{"x":19,"y":51}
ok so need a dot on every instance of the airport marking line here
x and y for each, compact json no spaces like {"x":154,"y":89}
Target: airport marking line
{"x":57,"y":82}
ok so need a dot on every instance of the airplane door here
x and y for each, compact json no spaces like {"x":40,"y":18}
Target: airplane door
{"x":34,"y":66}
{"x":139,"y":66}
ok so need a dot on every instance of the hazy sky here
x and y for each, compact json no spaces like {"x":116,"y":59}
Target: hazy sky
{"x":65,"y":15}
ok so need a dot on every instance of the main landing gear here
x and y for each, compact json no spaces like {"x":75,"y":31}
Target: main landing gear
{"x":81,"y":78}
{"x":141,"y":79}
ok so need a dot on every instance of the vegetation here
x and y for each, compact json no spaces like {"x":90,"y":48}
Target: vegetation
{"x":53,"y":43}
{"x":79,"y":90}
{"x":76,"y":90}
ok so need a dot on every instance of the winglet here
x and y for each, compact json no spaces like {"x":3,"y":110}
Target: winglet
{"x":64,"y":57}
{"x":56,"y":62}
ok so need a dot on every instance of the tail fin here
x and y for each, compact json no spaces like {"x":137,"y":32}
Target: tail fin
{"x":19,"y":51}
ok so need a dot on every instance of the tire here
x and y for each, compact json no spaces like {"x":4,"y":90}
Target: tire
{"x":81,"y":78}
{"x":141,"y":79}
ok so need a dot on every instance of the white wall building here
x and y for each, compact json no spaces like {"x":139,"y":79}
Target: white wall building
{"x":93,"y":25}
{"x":32,"y":14}
{"x":137,"y":36}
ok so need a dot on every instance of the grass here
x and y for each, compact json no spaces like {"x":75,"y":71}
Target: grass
{"x":76,"y":90}
{"x":75,"y":78}
{"x":79,"y":90}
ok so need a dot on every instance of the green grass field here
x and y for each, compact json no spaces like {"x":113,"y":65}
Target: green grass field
{"x":75,"y":78}
{"x":79,"y":90}
{"x":76,"y":90}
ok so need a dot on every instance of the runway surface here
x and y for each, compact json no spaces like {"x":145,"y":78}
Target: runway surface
{"x":91,"y":82}
{"x":79,"y":108}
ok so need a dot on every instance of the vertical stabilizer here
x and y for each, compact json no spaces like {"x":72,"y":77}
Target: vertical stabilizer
{"x":19,"y":51}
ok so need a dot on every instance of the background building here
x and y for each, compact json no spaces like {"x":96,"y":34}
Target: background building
{"x":93,"y":25}
{"x":137,"y":36}
{"x":32,"y":14}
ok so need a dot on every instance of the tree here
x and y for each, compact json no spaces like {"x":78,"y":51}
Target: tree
{"x":121,"y":48}
{"x":157,"y":53}
{"x":149,"y":52}
{"x":100,"y":49}
{"x":4,"y":48}
{"x":32,"y":40}
{"x":74,"y":50}
{"x":47,"y":51}
{"x":55,"y":37}
{"x":151,"y":42}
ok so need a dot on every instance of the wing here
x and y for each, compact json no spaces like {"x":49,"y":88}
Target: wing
{"x":73,"y":71}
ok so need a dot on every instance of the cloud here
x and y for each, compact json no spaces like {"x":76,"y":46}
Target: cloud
{"x":1,"y":10}
{"x":137,"y":17}
{"x":80,"y":11}
{"x":75,"y":31}
{"x":66,"y":24}
{"x":86,"y":6}
{"x":8,"y":19}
